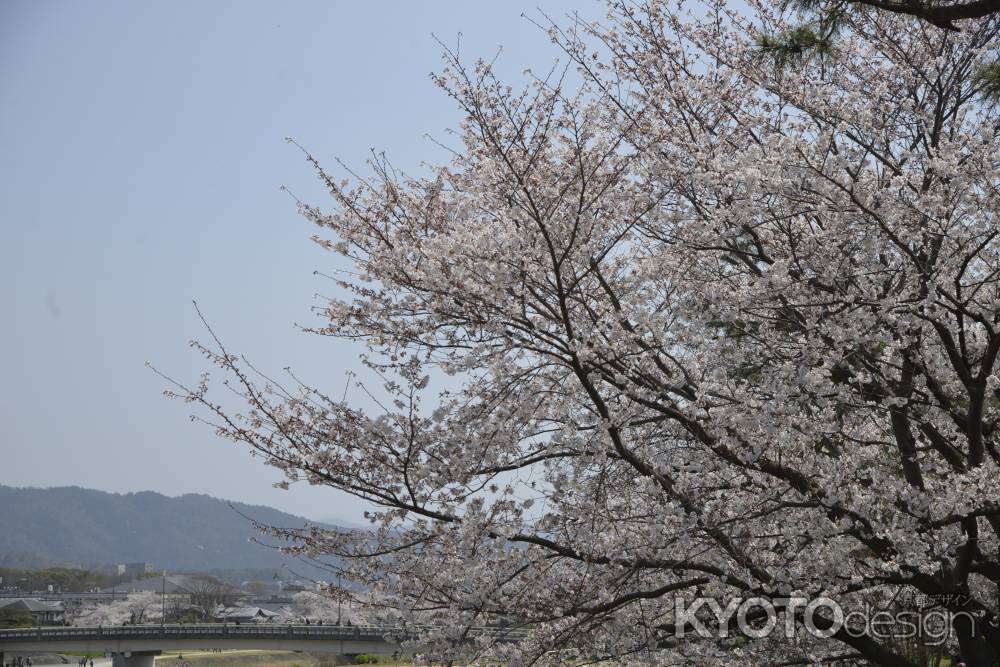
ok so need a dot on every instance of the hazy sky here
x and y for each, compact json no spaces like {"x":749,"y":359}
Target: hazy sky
{"x":141,"y":153}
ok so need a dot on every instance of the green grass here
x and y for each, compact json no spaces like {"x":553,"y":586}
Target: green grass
{"x":379,"y":659}
{"x":259,"y":658}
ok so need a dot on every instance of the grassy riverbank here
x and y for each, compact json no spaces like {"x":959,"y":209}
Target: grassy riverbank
{"x":256,"y":659}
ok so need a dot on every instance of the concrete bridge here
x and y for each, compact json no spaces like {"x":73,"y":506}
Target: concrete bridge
{"x":136,"y":645}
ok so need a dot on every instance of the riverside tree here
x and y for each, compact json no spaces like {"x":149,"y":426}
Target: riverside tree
{"x":136,"y":608}
{"x":315,"y":606}
{"x":672,"y":323}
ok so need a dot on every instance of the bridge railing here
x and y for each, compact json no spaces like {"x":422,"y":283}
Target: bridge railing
{"x":195,"y":631}
{"x":216,"y":630}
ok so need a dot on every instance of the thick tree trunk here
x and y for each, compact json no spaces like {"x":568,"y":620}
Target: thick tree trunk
{"x":979,"y":641}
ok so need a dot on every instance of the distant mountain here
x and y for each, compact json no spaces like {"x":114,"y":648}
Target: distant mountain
{"x":71,"y":525}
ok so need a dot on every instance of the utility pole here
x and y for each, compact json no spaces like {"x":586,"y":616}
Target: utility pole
{"x":340,"y":599}
{"x":163,"y":599}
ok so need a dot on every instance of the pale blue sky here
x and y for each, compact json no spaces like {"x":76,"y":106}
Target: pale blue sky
{"x":141,"y":153}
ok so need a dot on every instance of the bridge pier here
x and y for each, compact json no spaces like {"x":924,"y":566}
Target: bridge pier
{"x":134,"y":659}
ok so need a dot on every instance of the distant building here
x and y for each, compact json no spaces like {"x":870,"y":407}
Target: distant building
{"x":275,"y":603}
{"x":135,"y":570}
{"x":180,"y":584}
{"x":245,"y":615}
{"x":294,"y":586}
{"x":44,"y":613}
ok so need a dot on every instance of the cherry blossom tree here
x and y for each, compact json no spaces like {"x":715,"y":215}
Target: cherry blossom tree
{"x":316,"y":606}
{"x":140,"y":607}
{"x":671,"y":322}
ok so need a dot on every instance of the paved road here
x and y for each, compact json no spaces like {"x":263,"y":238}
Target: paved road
{"x":166,"y":660}
{"x":38,"y":660}
{"x":98,"y":662}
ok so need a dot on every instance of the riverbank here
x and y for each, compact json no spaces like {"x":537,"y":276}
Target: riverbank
{"x":256,"y":659}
